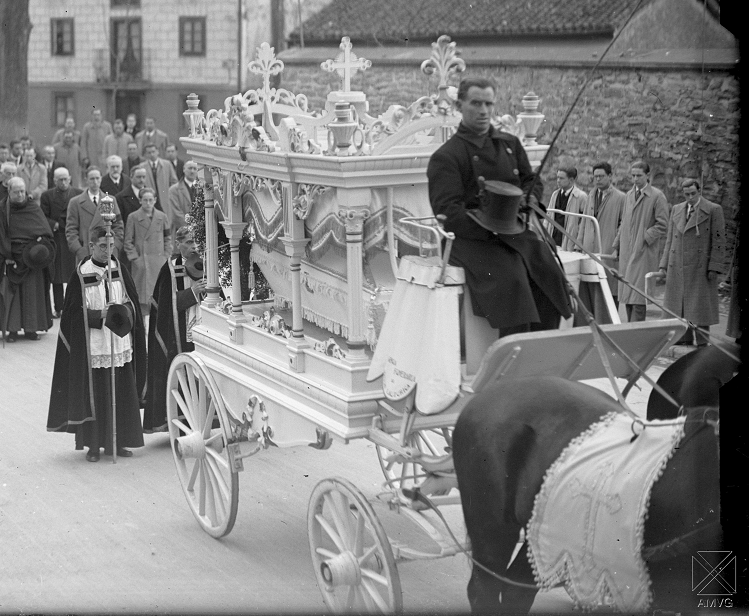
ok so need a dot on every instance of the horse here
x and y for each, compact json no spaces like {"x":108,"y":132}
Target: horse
{"x":512,"y":432}
{"x":694,"y":380}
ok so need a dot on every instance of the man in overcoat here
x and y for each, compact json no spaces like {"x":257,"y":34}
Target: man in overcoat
{"x":152,"y":135}
{"x":116,"y":143}
{"x":34,"y":175}
{"x":68,"y":126}
{"x":114,"y":181}
{"x":92,"y":140}
{"x":177,"y":162}
{"x":160,"y":175}
{"x":54,"y":204}
{"x":174,"y":312}
{"x":605,"y":203}
{"x":692,"y":261}
{"x":148,"y":244}
{"x":81,"y":399}
{"x":68,"y":154}
{"x":181,"y":195}
{"x":129,"y":199}
{"x":84,"y":214}
{"x":644,"y":222}
{"x":50,"y":164}
{"x":568,"y":198}
{"x":25,"y":252}
{"x":513,"y":278}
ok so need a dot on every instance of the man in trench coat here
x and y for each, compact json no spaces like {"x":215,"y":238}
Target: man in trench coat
{"x":148,"y":244}
{"x":84,"y":213}
{"x":605,"y":204}
{"x":644,"y":222}
{"x":160,"y":175}
{"x":692,"y":260}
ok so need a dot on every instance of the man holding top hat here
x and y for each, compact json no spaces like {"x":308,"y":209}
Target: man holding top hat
{"x":174,"y":311}
{"x":101,"y":327}
{"x":478,"y":180}
{"x":26,"y":251}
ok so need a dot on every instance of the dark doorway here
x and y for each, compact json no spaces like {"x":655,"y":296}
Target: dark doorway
{"x":127,"y":102}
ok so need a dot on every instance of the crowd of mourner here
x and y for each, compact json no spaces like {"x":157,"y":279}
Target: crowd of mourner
{"x":125,"y":296}
{"x":110,"y":282}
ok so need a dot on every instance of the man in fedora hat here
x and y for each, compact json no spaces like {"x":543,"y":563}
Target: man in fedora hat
{"x":510,"y":272}
{"x":174,"y":311}
{"x":100,"y":323}
{"x":26,"y":250}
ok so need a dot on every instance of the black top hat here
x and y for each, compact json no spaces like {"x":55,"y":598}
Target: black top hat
{"x":499,"y":207}
{"x":119,"y":319}
{"x":194,"y":266}
{"x":38,"y":254}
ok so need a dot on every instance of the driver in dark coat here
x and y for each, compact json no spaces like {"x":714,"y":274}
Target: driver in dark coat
{"x":511,"y":273}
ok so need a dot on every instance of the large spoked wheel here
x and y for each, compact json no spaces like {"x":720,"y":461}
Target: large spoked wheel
{"x":198,"y":431}
{"x":403,"y":474}
{"x":351,"y":554}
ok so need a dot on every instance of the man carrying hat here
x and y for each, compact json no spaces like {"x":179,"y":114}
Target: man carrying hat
{"x":510,"y":272}
{"x":101,"y":329}
{"x":174,"y":311}
{"x":26,"y":250}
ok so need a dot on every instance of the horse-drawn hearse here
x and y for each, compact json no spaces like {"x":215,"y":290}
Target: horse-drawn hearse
{"x":362,"y":336}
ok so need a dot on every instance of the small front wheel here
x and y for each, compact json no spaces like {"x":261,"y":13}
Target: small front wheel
{"x":351,"y":554}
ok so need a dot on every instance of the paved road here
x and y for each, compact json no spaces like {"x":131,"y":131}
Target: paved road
{"x":83,"y":537}
{"x":77,"y":536}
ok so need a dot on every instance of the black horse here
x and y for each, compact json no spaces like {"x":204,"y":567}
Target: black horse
{"x":695,"y":379}
{"x":510,"y":434}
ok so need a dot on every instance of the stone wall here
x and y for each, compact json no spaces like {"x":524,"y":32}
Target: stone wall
{"x":682,"y":123}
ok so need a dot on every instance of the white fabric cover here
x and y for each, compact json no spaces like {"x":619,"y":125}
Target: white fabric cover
{"x":419,"y":345}
{"x":587,"y":526}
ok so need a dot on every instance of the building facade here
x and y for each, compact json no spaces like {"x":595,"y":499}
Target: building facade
{"x":145,"y":57}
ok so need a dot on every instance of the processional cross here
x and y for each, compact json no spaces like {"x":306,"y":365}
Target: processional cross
{"x":346,"y":63}
{"x":595,"y":492}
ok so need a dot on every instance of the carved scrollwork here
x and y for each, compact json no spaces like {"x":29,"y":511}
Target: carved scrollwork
{"x":272,"y":323}
{"x":305,"y":199}
{"x":330,"y":348}
{"x":218,"y":174}
{"x":353,"y":216}
{"x":266,"y":64}
{"x":446,"y":63}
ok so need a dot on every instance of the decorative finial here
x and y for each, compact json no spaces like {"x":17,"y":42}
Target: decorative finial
{"x":445,"y":62}
{"x":193,"y":115}
{"x":346,"y":63}
{"x":531,"y":118}
{"x":266,"y":64}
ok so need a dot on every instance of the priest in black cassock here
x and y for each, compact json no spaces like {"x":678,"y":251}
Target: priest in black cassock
{"x":81,"y":398}
{"x":26,"y":250}
{"x":174,"y":312}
